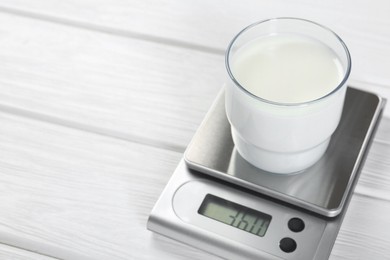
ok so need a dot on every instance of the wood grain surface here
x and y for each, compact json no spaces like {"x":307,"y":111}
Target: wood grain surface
{"x":14,"y":253}
{"x":100,"y":98}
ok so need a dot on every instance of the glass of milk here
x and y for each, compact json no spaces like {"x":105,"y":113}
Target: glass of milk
{"x":286,"y":92}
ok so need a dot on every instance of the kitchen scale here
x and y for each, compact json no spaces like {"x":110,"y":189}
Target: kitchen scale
{"x":218,"y":202}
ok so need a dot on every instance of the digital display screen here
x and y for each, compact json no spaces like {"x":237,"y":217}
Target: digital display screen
{"x":235,"y":215}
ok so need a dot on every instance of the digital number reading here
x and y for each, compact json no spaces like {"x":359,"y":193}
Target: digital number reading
{"x":235,"y":215}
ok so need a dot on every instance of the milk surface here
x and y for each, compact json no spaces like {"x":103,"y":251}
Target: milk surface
{"x":287,"y":68}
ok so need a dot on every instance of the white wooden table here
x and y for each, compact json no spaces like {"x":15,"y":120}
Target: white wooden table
{"x":99,"y":99}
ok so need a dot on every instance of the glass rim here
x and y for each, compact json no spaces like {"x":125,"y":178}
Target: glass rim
{"x":339,"y":86}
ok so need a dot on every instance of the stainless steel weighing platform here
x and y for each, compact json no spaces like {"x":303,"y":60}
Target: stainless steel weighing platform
{"x":218,"y":202}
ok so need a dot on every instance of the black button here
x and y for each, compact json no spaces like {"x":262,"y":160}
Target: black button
{"x":288,"y":245}
{"x":296,"y":224}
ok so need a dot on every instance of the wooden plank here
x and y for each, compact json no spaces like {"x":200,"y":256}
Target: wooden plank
{"x":77,"y":195}
{"x":116,"y":86}
{"x":210,"y":25}
{"x":14,"y":253}
{"x":359,"y":238}
{"x":135,"y":90}
{"x":35,"y":101}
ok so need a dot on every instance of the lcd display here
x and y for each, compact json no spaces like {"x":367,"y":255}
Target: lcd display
{"x":235,"y":215}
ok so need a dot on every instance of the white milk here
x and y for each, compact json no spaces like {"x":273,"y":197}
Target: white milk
{"x":286,"y":134}
{"x":287,"y":68}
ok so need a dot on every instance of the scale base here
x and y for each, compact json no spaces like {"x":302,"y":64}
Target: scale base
{"x":172,"y":217}
{"x":175,"y":214}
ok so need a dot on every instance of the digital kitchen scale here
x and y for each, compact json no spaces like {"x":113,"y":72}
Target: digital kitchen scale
{"x":218,"y":202}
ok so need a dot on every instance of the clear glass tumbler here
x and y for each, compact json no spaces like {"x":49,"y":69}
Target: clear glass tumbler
{"x":285,"y":93}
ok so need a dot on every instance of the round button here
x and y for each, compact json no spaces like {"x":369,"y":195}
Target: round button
{"x":287,"y":244}
{"x":296,"y":224}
